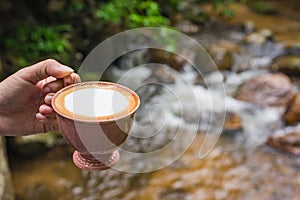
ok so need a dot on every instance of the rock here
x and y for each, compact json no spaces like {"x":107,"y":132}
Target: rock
{"x":232,"y":122}
{"x":248,"y":26}
{"x":160,"y":56}
{"x":56,"y":5}
{"x":161,"y":74}
{"x":296,"y":82}
{"x":292,"y":114}
{"x":222,"y":53}
{"x":287,"y":64}
{"x":267,"y":90}
{"x":187,"y":27}
{"x":174,"y":194}
{"x":290,"y":42}
{"x":255,"y":38}
{"x":267,"y":33}
{"x":263,"y":7}
{"x":6,"y":189}
{"x":260,"y":37}
{"x":288,"y":142}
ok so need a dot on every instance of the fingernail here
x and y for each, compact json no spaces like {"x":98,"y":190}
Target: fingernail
{"x":48,"y":99}
{"x":46,"y":90}
{"x":40,"y":117}
{"x":65,"y":68}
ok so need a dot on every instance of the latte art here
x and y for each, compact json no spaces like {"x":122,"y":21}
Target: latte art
{"x":100,"y":101}
{"x":95,"y":102}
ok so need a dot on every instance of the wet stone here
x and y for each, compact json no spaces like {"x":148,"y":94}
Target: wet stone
{"x":174,"y":194}
{"x":266,"y":90}
{"x":292,"y":114}
{"x":223,"y":54}
{"x":288,"y":142}
{"x":289,"y":65}
{"x":248,"y":26}
{"x":163,"y":57}
{"x":260,"y":37}
{"x":296,"y":82}
{"x":232,"y":123}
{"x":187,"y":27}
{"x":161,"y":74}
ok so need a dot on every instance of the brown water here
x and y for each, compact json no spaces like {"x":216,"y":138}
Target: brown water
{"x":229,"y":172}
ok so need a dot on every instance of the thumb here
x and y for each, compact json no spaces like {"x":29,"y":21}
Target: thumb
{"x":44,"y":69}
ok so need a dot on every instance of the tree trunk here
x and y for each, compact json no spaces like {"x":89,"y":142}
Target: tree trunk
{"x":6,"y":189}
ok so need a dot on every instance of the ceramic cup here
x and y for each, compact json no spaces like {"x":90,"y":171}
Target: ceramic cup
{"x":95,"y":137}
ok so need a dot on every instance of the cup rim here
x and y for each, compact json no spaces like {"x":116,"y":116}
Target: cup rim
{"x":58,"y":112}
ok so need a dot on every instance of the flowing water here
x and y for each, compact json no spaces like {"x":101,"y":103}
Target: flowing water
{"x":240,"y":166}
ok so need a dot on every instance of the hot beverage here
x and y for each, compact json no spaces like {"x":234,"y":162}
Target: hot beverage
{"x":95,"y":118}
{"x":98,"y":101}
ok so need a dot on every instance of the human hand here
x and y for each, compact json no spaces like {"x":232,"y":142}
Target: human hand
{"x":25,"y":98}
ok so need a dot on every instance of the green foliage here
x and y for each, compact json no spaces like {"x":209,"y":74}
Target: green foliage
{"x":132,"y":14}
{"x":27,"y":43}
{"x":76,"y":6}
{"x":222,"y":7}
{"x":24,"y":42}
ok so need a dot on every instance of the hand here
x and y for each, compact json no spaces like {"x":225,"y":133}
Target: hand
{"x":25,"y":98}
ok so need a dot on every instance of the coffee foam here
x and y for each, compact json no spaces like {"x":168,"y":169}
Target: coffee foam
{"x":95,"y":102}
{"x":103,"y":101}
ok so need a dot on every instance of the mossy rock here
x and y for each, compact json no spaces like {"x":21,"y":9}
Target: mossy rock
{"x":289,"y":65}
{"x":263,"y":7}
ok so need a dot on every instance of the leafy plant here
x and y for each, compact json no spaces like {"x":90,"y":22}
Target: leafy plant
{"x":132,"y":14}
{"x":27,"y":43}
{"x":222,"y":7}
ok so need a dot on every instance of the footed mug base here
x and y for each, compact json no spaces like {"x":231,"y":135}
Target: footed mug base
{"x":94,"y":164}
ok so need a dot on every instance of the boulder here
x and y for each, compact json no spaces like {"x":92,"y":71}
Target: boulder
{"x":266,"y":90}
{"x":289,"y":65}
{"x":288,"y":142}
{"x":292,"y":114}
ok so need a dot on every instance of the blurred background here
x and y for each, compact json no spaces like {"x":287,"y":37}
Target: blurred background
{"x":256,"y":47}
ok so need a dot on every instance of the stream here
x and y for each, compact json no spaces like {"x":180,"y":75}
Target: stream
{"x":240,"y":166}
